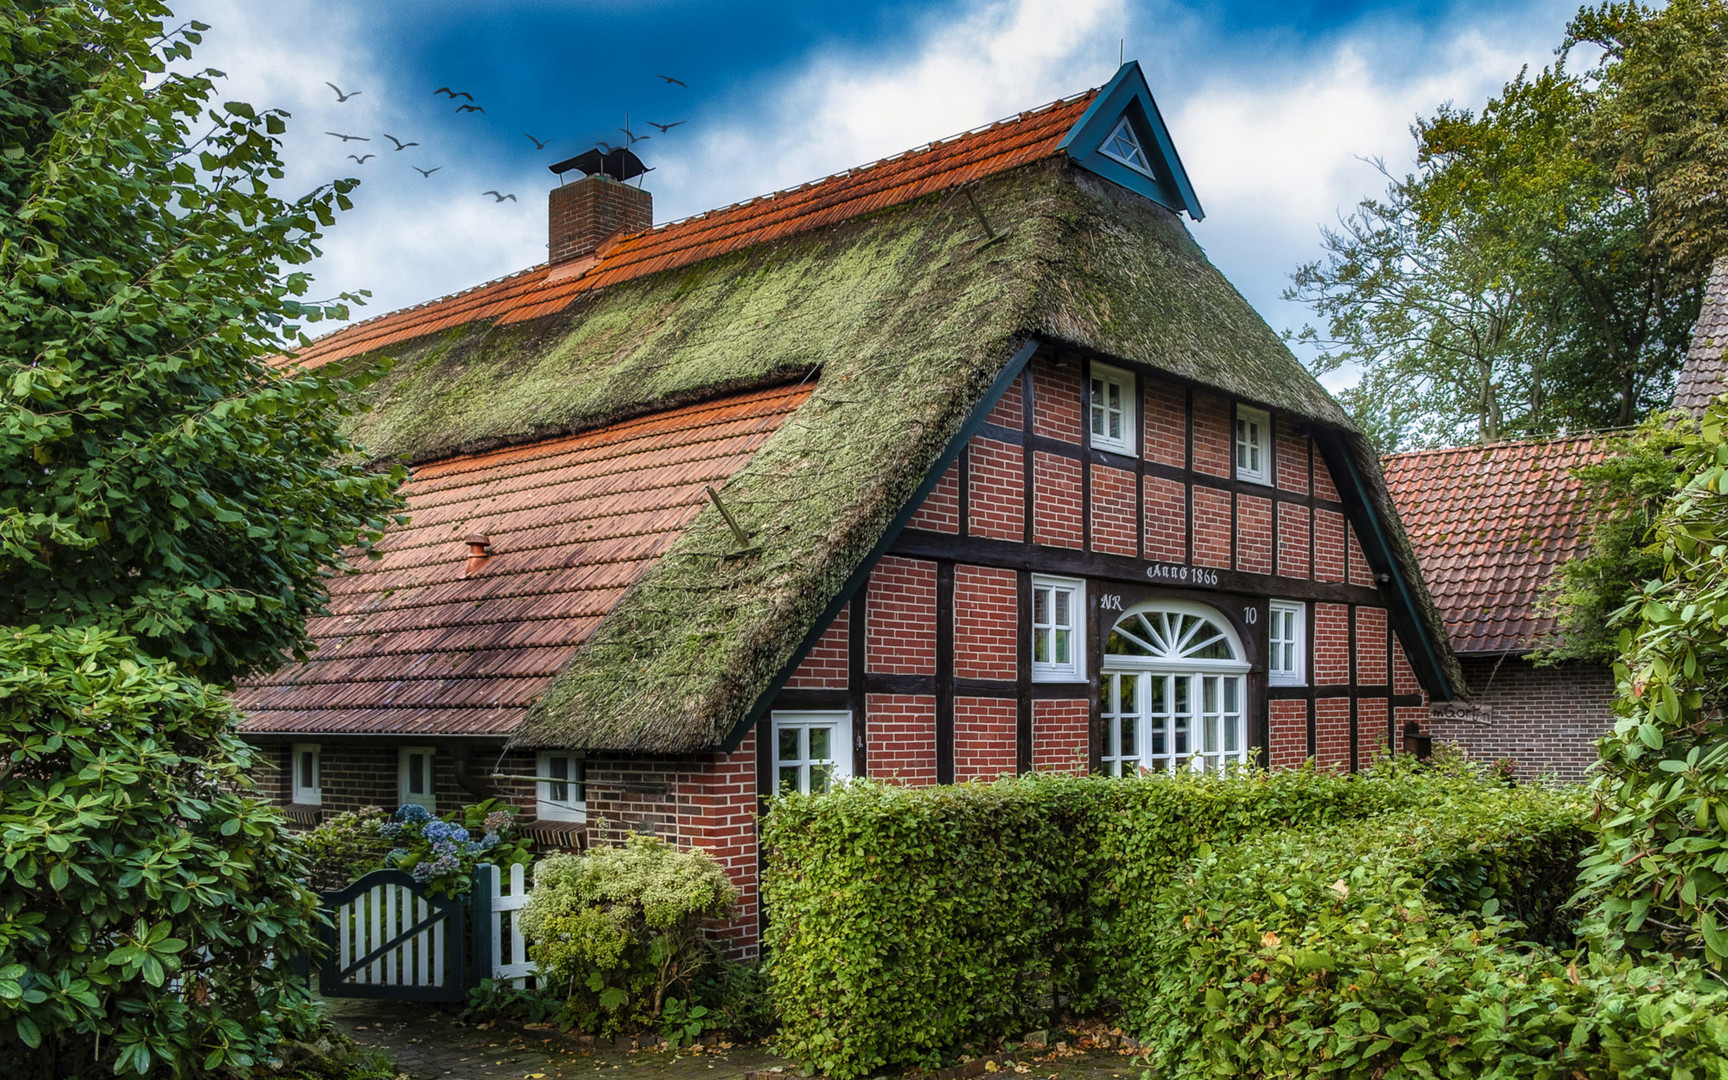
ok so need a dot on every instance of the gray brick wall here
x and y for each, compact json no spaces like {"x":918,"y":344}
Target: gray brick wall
{"x":1546,"y":719}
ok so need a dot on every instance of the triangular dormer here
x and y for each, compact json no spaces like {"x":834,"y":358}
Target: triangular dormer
{"x":1122,"y":138}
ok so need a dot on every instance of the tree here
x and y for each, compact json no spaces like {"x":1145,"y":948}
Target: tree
{"x":1660,"y":867}
{"x":150,"y":909}
{"x":1505,"y":288}
{"x":156,"y":476}
{"x":1661,"y":126}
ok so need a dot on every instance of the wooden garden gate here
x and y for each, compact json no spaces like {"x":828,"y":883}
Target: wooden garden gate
{"x":385,"y":938}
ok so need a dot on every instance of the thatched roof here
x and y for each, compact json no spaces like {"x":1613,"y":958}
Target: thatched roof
{"x":903,"y":319}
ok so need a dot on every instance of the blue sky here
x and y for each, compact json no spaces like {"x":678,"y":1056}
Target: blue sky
{"x":1272,"y":105}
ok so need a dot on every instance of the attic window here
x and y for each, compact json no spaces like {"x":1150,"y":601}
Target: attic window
{"x":1124,"y":146}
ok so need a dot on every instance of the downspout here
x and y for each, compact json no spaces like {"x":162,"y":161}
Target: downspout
{"x":462,"y":767}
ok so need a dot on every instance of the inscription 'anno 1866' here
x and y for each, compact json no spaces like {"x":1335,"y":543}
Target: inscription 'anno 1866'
{"x":1187,"y":575}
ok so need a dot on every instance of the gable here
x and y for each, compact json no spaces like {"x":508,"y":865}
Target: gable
{"x":1122,"y":137}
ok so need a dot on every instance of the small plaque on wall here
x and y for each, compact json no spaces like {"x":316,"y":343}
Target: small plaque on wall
{"x":1460,"y":712}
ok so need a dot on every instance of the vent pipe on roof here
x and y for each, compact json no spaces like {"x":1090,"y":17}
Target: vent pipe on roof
{"x":582,"y":216}
{"x":479,"y":550}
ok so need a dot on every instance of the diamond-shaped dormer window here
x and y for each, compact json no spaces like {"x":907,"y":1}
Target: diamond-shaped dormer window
{"x":1124,"y":146}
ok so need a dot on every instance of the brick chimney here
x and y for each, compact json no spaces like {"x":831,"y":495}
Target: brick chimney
{"x":583,"y":215}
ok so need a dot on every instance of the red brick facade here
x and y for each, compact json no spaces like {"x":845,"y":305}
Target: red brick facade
{"x":931,"y":663}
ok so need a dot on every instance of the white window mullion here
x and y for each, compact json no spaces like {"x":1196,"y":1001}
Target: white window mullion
{"x":1111,"y":413}
{"x":812,"y":750}
{"x":1058,"y":618}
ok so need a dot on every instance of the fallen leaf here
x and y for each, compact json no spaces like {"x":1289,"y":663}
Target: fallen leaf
{"x":1341,"y":889}
{"x":1269,"y":940}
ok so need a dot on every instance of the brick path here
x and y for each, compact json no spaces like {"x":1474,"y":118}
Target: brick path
{"x":430,"y":1044}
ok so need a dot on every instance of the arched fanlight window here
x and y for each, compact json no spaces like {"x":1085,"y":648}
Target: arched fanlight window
{"x":1174,"y":690}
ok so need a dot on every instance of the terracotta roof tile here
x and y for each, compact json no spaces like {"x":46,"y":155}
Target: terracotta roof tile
{"x":1701,"y":373}
{"x":903,"y":178}
{"x":1489,"y":524}
{"x":413,"y":646}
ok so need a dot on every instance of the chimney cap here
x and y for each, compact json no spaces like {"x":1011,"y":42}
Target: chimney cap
{"x":620,"y":163}
{"x":479,"y":540}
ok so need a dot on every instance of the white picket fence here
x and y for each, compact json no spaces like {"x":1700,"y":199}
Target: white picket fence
{"x":510,"y":961}
{"x":380,"y":914}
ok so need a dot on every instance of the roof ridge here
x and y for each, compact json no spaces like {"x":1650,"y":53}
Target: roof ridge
{"x":1499,"y":443}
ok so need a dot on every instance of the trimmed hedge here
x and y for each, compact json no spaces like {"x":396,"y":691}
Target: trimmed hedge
{"x":908,"y":922}
{"x":1382,"y":949}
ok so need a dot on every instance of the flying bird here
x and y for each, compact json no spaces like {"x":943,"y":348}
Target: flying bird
{"x":605,"y":147}
{"x":499,"y":197}
{"x":362,"y":160}
{"x":427,"y":172}
{"x":349,"y":138}
{"x":470,"y":108}
{"x":538,"y":145}
{"x":400,"y":145}
{"x":454,"y":94}
{"x":664,"y":128}
{"x":340,"y":96}
{"x":633,"y":137}
{"x":680,"y":82}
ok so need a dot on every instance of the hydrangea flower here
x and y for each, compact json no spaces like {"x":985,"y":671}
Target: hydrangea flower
{"x":395,"y":857}
{"x":444,"y":847}
{"x":423,"y":872}
{"x":413,"y":814}
{"x":489,"y":841}
{"x":496,"y":821}
{"x":389,"y":829}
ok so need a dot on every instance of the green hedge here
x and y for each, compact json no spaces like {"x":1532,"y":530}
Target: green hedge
{"x":1383,"y":949}
{"x":908,"y":922}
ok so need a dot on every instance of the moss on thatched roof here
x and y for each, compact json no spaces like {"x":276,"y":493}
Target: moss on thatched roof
{"x":907,"y":316}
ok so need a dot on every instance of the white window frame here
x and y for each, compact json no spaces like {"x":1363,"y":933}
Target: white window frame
{"x":1296,"y":674}
{"x":1239,"y":432}
{"x":1198,"y":722}
{"x":302,"y":794}
{"x":1124,"y":381}
{"x":1074,"y":670}
{"x":549,"y":804}
{"x":839,"y":761}
{"x":1144,"y":167}
{"x":404,"y":797}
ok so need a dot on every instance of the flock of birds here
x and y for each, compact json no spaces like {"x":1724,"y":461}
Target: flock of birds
{"x":469,"y":106}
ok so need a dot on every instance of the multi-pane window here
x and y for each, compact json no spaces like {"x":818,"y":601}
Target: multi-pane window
{"x":414,"y":777}
{"x":308,"y":784}
{"x":1174,"y":692}
{"x":1253,"y":445}
{"x":1057,"y":615}
{"x":812,"y":750}
{"x":559,"y":794}
{"x":1124,"y":146}
{"x":1286,"y":655}
{"x":1111,"y":407}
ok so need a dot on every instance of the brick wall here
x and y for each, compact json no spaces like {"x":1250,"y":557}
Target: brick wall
{"x":1545,"y":719}
{"x":986,"y":623}
{"x":940,"y":510}
{"x":1288,"y":720}
{"x":1371,"y":646}
{"x":1212,"y":545}
{"x":825,"y":666}
{"x":1009,"y":411}
{"x":1291,"y":454}
{"x":1060,"y":735}
{"x":1328,"y":545}
{"x":1113,"y":511}
{"x":1253,"y":534}
{"x":1056,"y":400}
{"x":984,"y":737}
{"x":1332,"y":733}
{"x":1212,"y":437}
{"x":1166,"y":520}
{"x":1166,"y":425}
{"x":581,"y":215}
{"x":1371,"y":720}
{"x":716,"y":807}
{"x":997,"y":502}
{"x":1055,"y":501}
{"x":901,"y":614}
{"x":1293,"y":528}
{"x":901,"y":735}
{"x":1331,"y":644}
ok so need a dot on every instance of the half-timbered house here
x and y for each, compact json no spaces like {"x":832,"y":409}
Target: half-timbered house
{"x":960,"y":464}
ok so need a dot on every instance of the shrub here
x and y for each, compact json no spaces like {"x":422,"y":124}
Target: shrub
{"x":1382,"y":949}
{"x":907,"y":922}
{"x":346,"y":846}
{"x":443,"y":852}
{"x":148,"y":902}
{"x":619,"y":930}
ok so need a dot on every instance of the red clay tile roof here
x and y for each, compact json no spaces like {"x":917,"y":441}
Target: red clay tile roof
{"x":1701,"y":374}
{"x":893,"y":181}
{"x":1489,"y":524}
{"x":412,"y":645}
